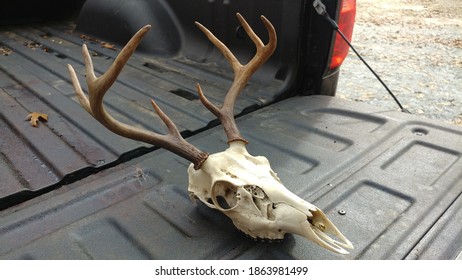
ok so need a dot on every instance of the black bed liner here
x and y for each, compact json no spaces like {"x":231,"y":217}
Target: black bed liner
{"x":397,"y":179}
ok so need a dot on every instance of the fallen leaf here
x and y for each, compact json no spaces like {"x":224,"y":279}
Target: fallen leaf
{"x":33,"y":45}
{"x":34,"y":117}
{"x":88,"y":38}
{"x":108,"y":46}
{"x":5,"y":51}
{"x":102,"y":44}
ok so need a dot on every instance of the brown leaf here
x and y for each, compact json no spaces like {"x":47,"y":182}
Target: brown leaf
{"x":108,"y":46}
{"x":5,"y":51}
{"x":34,"y":117}
{"x":88,"y":38}
{"x":102,"y":44}
{"x":33,"y":45}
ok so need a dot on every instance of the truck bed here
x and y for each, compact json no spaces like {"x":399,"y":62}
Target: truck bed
{"x":70,"y":189}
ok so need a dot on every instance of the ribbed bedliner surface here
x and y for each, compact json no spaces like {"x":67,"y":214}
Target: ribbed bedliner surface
{"x":391,"y":182}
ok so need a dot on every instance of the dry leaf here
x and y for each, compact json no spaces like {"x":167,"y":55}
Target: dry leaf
{"x":34,"y":117}
{"x":88,"y":38}
{"x":102,"y":44}
{"x":33,"y":45}
{"x":108,"y":46}
{"x":5,"y":51}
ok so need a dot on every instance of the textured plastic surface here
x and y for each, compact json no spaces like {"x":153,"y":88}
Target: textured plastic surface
{"x":396,"y":180}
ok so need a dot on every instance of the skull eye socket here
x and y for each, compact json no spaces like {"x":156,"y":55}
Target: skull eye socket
{"x":224,"y":195}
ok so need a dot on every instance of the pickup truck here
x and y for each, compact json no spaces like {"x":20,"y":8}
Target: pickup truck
{"x":71,"y":189}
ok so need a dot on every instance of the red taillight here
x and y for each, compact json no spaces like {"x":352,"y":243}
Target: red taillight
{"x":346,"y":21}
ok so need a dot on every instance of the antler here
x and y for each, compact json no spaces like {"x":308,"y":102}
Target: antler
{"x":97,"y":87}
{"x":242,"y":74}
{"x":173,"y":141}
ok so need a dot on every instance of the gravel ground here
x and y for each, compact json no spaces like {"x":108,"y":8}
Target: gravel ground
{"x":416,"y":48}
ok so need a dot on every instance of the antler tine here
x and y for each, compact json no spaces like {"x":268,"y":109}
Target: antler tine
{"x":242,"y":74}
{"x":97,"y":88}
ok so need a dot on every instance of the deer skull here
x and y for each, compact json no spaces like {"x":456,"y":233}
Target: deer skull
{"x":248,"y":191}
{"x":243,"y":187}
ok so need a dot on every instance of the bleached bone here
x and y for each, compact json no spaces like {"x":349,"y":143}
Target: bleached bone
{"x":248,"y":191}
{"x":243,"y":187}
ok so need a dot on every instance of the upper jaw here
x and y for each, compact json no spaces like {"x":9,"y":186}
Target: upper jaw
{"x":322,"y":231}
{"x":313,"y":225}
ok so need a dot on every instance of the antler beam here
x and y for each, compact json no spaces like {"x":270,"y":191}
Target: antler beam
{"x":242,"y":74}
{"x":97,"y":88}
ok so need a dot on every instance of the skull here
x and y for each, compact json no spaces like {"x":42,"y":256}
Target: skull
{"x":248,"y":191}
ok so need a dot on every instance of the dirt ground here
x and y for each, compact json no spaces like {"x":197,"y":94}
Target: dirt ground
{"x":416,"y":48}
